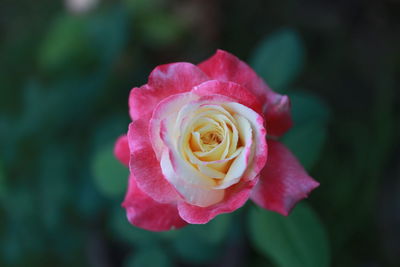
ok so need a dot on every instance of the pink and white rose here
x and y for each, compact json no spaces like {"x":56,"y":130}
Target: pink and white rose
{"x":202,"y":142}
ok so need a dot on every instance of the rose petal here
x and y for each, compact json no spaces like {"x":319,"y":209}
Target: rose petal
{"x":144,"y":212}
{"x":278,"y":116}
{"x":145,"y":166}
{"x":164,"y":80}
{"x":230,"y":89}
{"x":259,"y":154}
{"x":121,"y":150}
{"x":194,"y":187}
{"x":283,"y":181}
{"x":235,"y":197}
{"x":224,"y":66}
{"x":240,"y":163}
{"x":168,"y":107}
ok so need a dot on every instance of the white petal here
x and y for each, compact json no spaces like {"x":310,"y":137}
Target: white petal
{"x":259,"y":135}
{"x":166,"y":108}
{"x":192,"y":194}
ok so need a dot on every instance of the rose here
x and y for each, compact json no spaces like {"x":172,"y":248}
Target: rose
{"x":197,"y":145}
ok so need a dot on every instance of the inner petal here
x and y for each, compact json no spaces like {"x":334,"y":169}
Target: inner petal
{"x":212,"y":140}
{"x":195,"y":142}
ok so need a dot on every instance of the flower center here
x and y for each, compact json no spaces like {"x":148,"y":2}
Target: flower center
{"x":211,"y":139}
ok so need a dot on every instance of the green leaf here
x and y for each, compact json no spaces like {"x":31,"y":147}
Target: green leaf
{"x":124,"y":231}
{"x":161,"y":29}
{"x":108,"y":33}
{"x":279,"y":58}
{"x":307,"y":107}
{"x":12,"y":249}
{"x":65,"y":43}
{"x":110,"y":176}
{"x":144,"y":7}
{"x":306,"y":142}
{"x":2,"y":181}
{"x":86,"y":41}
{"x":54,"y":185}
{"x":149,"y":257}
{"x":306,"y":139}
{"x":90,"y":200}
{"x":296,"y":240}
{"x":199,"y":243}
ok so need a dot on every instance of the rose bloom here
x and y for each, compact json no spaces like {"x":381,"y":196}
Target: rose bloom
{"x":202,"y":141}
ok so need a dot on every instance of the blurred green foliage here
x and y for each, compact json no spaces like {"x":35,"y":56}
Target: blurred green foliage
{"x":279,"y":58}
{"x":296,"y":240}
{"x":109,"y":174}
{"x":65,"y":78}
{"x":309,"y":133}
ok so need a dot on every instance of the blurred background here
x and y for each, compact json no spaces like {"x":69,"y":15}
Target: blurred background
{"x":66,"y":69}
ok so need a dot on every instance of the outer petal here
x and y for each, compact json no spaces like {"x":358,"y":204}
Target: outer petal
{"x":144,"y":212}
{"x":226,"y":67}
{"x":235,"y":197}
{"x":145,"y":166}
{"x":164,"y":80}
{"x":283,"y":181}
{"x":230,"y":89}
{"x":121,"y":150}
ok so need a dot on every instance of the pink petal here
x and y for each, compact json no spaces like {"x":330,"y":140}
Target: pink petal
{"x":164,"y":80}
{"x":235,"y":197}
{"x":229,"y":89}
{"x":224,"y":66}
{"x":283,"y":181}
{"x":278,"y":116}
{"x":121,"y":150}
{"x":145,"y":166}
{"x":142,"y":211}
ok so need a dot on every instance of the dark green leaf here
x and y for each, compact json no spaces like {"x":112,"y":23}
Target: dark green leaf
{"x":307,"y":137}
{"x":149,"y":257}
{"x":124,"y":231}
{"x":279,"y":58}
{"x":307,"y":108}
{"x":143,"y":8}
{"x":296,"y":240}
{"x":306,"y":142}
{"x":108,"y":33}
{"x":110,"y":176}
{"x":162,"y":29}
{"x":54,"y":185}
{"x":2,"y":181}
{"x":199,"y":243}
{"x":66,"y":42}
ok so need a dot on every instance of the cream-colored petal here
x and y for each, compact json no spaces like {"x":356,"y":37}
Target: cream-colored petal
{"x":223,"y":165}
{"x":259,"y":146}
{"x":210,"y":172}
{"x":240,"y":163}
{"x":192,"y":194}
{"x":195,"y":108}
{"x":234,"y":140}
{"x":181,"y":166}
{"x":195,"y":142}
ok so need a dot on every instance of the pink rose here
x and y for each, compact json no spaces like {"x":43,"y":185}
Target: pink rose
{"x":198,"y":145}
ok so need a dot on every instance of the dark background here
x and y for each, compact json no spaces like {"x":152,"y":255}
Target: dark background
{"x":65,"y":77}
